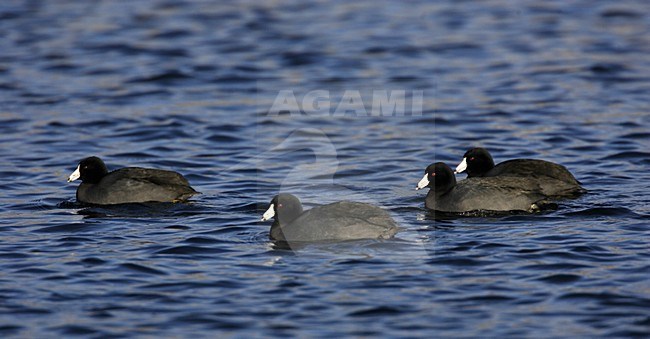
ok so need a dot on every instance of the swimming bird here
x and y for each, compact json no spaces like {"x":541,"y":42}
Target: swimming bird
{"x":496,"y":194}
{"x":556,"y":181}
{"x":344,"y":220}
{"x":128,"y":185}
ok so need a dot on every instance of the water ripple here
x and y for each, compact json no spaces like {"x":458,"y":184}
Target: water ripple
{"x":190,"y":87}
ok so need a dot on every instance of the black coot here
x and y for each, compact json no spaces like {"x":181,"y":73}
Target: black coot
{"x":497,"y":194}
{"x":343,"y":220}
{"x":128,"y":185}
{"x":555,"y":180}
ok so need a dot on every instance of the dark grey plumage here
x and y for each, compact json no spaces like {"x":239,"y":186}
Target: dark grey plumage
{"x":554,"y":179}
{"x":498,"y":194}
{"x":343,"y":220}
{"x":128,"y":185}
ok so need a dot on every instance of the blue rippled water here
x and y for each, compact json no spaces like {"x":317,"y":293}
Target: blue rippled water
{"x":190,"y":85}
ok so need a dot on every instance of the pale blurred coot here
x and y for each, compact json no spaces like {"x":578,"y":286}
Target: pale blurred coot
{"x":344,"y":220}
{"x":496,"y":194}
{"x":554,"y":179}
{"x":128,"y":185}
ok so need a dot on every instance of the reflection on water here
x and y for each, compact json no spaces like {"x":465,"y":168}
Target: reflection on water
{"x":191,"y":86}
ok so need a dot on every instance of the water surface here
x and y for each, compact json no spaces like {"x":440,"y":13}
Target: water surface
{"x":188,"y":86}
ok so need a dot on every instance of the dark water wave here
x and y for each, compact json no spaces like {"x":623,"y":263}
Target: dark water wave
{"x":190,"y":86}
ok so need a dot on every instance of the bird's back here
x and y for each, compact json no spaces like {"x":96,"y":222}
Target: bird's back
{"x":341,"y":221}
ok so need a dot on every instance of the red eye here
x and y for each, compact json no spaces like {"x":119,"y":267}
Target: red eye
{"x":471,"y":159}
{"x":279,"y":205}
